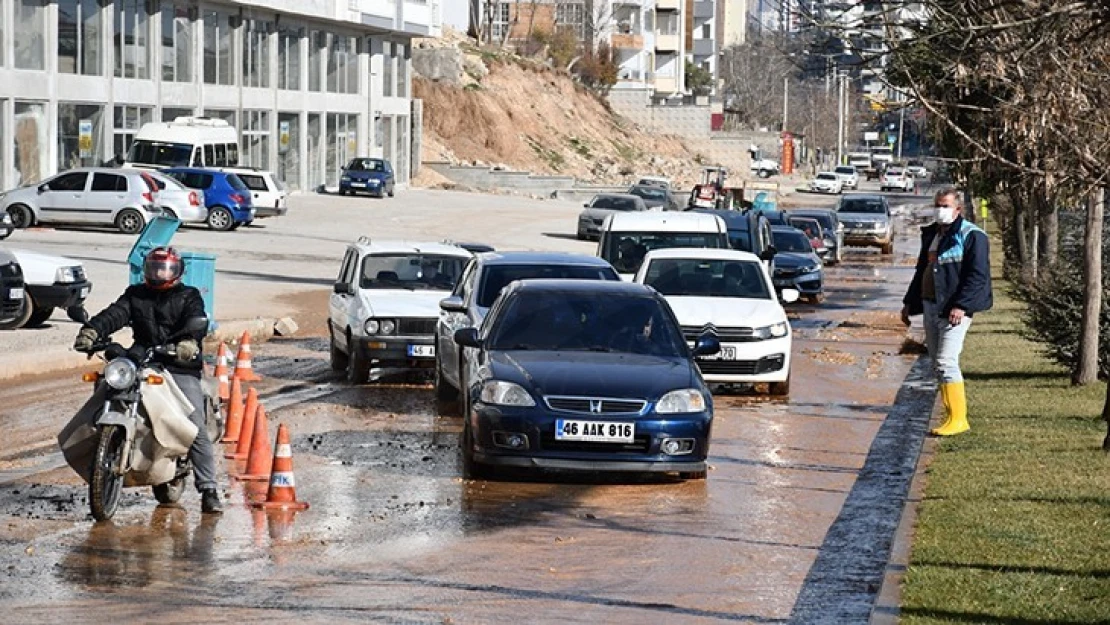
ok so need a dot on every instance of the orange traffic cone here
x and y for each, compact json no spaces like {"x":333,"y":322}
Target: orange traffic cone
{"x":283,"y":491}
{"x":243,"y":370}
{"x":221,"y":372}
{"x":242,"y":450}
{"x":259,"y":461}
{"x":234,"y":414}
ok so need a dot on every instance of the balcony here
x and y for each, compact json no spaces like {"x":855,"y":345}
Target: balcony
{"x":705,"y":9}
{"x":665,"y":84}
{"x":704,"y":47}
{"x":668,"y":5}
{"x":668,"y":43}
{"x":627,"y":41}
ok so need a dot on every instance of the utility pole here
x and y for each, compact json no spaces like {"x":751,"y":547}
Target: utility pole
{"x":901,"y":124}
{"x":785,"y":100}
{"x":840,"y":129}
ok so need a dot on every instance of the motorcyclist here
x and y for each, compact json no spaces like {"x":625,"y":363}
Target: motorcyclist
{"x":156,"y":310}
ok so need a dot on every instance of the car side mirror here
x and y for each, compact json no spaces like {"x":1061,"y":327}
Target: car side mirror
{"x":707,"y":345}
{"x":769,"y":253}
{"x":42,"y":188}
{"x":585,"y":205}
{"x":468,"y":337}
{"x":789,"y":296}
{"x":342,"y":288}
{"x":452,"y":304}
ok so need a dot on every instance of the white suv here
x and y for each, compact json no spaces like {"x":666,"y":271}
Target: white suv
{"x":849,"y":176}
{"x":385,"y":304}
{"x":896,"y":179}
{"x":267,"y":190}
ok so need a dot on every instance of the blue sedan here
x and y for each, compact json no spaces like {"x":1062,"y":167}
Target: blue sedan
{"x":584,"y":375}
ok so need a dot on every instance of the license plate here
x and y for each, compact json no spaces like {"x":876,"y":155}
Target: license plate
{"x":728,"y":352}
{"x":422,"y":351}
{"x":784,"y":283}
{"x":358,"y":184}
{"x":594,"y":431}
{"x":15,"y":294}
{"x":84,"y":292}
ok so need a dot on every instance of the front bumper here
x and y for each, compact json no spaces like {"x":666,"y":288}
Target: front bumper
{"x":60,"y":294}
{"x":545,"y":452}
{"x":362,"y":186}
{"x":757,"y":361}
{"x":396,"y":351}
{"x":866,"y":237}
{"x":261,"y":212}
{"x":823,"y":188}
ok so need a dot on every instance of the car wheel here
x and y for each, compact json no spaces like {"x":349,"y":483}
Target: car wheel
{"x":780,"y":389}
{"x":24,"y":316}
{"x":472,"y":470}
{"x":337,"y":357}
{"x":358,"y":367}
{"x":390,"y":190}
{"x":763,"y":173}
{"x":447,"y":396}
{"x":220,"y":218}
{"x":169,"y":213}
{"x":129,"y":221}
{"x":22,"y":216}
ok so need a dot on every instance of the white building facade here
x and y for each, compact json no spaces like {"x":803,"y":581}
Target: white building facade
{"x":308,"y":84}
{"x":648,"y":40}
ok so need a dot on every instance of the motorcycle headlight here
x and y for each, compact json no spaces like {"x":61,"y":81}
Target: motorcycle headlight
{"x":388,"y":326}
{"x":65,"y":274}
{"x":680,"y":401}
{"x":120,"y":374}
{"x":501,"y":393}
{"x":372,"y":326}
{"x":773,"y":331}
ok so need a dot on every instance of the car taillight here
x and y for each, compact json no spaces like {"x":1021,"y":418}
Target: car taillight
{"x":238,"y":199}
{"x":193,"y":199}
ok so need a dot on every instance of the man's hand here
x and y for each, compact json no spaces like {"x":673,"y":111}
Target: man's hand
{"x":187,"y":350}
{"x":955,"y":316}
{"x":906,"y":316}
{"x":85,"y":340}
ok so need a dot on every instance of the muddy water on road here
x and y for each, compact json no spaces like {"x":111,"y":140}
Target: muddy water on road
{"x":394,"y":534}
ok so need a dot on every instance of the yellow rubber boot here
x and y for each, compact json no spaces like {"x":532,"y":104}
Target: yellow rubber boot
{"x":955,"y":407}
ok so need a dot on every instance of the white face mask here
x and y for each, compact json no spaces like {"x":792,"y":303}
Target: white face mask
{"x":945,"y":215}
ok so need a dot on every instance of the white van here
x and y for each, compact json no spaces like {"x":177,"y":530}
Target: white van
{"x":185,"y":142}
{"x":626,"y":238}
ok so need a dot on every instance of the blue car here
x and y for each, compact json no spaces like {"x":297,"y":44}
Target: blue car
{"x":226,"y":196}
{"x":367,"y":175}
{"x":586,"y":375}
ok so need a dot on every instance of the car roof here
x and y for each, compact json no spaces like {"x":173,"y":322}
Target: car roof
{"x":613,"y":287}
{"x":623,"y":196}
{"x":394,"y":246}
{"x":540,"y":258}
{"x":809,"y":212}
{"x":862,"y":196}
{"x":101,"y":170}
{"x":245,"y":170}
{"x":664,"y":222}
{"x":701,"y":253}
{"x":734,"y":220}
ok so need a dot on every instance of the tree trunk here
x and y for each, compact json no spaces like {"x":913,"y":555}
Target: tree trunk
{"x":1050,"y":234}
{"x":1087,"y":370}
{"x":1019,"y":235}
{"x":1106,"y":418}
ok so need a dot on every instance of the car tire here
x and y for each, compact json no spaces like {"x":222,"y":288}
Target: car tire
{"x":764,"y":173}
{"x":358,"y":367}
{"x":471,"y":469}
{"x":168,"y":212}
{"x":130,"y":221}
{"x":779,"y":389}
{"x":390,"y":190}
{"x":337,"y":357}
{"x":220,"y":218}
{"x":22,"y":216}
{"x":23,"y":317}
{"x":447,"y":396}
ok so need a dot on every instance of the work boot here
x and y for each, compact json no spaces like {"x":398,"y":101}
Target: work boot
{"x":955,"y":410}
{"x":210,"y":502}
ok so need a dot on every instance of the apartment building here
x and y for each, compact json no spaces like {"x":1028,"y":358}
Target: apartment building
{"x":650,"y":42}
{"x":307,"y":84}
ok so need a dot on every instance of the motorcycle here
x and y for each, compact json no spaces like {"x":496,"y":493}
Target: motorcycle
{"x":135,"y":429}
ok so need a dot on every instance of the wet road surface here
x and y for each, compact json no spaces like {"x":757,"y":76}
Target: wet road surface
{"x":394,"y":534}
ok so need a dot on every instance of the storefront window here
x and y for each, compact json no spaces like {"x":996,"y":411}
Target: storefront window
{"x":29,"y":34}
{"x":256,"y":53}
{"x":401,"y":154}
{"x":342,"y":144}
{"x":256,"y":139}
{"x":79,"y":37}
{"x":228,"y":116}
{"x":217,"y":49}
{"x":342,"y":59}
{"x":170,"y":114}
{"x":402,"y":70}
{"x":128,"y":120}
{"x":177,"y":42}
{"x":289,"y":57}
{"x":132,"y":39}
{"x":30,"y":134}
{"x":79,"y":135}
{"x":317,"y":42}
{"x":289,"y":142}
{"x":387,"y":69}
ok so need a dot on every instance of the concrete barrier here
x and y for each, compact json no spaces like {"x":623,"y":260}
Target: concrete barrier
{"x":492,"y":179}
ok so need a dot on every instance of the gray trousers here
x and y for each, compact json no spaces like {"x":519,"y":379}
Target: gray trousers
{"x":201,"y":454}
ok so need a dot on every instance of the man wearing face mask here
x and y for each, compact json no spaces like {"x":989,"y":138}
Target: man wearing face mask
{"x":951,"y":283}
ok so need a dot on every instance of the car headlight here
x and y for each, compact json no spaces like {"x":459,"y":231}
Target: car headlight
{"x":371,"y":326}
{"x":682,"y":400}
{"x":502,"y":393}
{"x":773,"y":331}
{"x":389,"y":326}
{"x":120,"y":374}
{"x":65,"y":274}
{"x":345,"y":179}
{"x":809,"y":269}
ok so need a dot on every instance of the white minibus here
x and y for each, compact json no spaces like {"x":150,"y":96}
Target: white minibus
{"x":185,"y":142}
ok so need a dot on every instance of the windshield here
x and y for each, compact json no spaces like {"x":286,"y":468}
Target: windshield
{"x":159,"y":153}
{"x":498,"y":276}
{"x":826,"y":176}
{"x":601,"y":322}
{"x":739,"y":240}
{"x":707,"y":278}
{"x":626,"y":250}
{"x":809,"y":226}
{"x":366,"y":164}
{"x":411,"y":271}
{"x":649,"y":193}
{"x":615,"y":203}
{"x":792,"y":241}
{"x":858,"y":205}
{"x":845,"y":170}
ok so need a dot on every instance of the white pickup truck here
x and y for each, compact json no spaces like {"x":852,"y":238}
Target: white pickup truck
{"x":50,"y":282}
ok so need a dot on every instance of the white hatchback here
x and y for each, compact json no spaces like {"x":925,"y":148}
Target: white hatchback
{"x":123,"y":198}
{"x":896,"y":179}
{"x":729,"y":293}
{"x":268,"y":192}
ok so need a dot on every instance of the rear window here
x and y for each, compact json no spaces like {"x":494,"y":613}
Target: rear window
{"x":498,"y":277}
{"x":615,"y":203}
{"x":237,"y":183}
{"x":254,"y":182}
{"x":626,"y":250}
{"x":792,"y":241}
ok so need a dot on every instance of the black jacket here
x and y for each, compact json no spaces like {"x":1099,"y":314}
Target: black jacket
{"x":963,"y":271}
{"x":154,"y":316}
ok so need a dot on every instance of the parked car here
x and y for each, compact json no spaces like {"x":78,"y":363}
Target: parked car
{"x":589,"y":375}
{"x":94,"y":196}
{"x":655,"y":197}
{"x":849,"y":176}
{"x":833,"y":229}
{"x":896,"y":179}
{"x":178,"y":201}
{"x":867,"y":221}
{"x":627,"y":237}
{"x":917,"y":169}
{"x":748,"y":231}
{"x":776,"y":217}
{"x":797,"y":266}
{"x":654,"y":181}
{"x":226,"y":196}
{"x":481,"y":283}
{"x":601,"y":206}
{"x":367,"y":175}
{"x":6,"y":226}
{"x":826,"y":182}
{"x":50,"y":282}
{"x":385,"y":304}
{"x":727,"y":293}
{"x":11,"y":290}
{"x":812,"y":229}
{"x":268,"y":193}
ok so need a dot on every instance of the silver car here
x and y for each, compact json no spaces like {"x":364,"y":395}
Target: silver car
{"x":603,"y":205}
{"x":123,"y":198}
{"x":177,"y":200}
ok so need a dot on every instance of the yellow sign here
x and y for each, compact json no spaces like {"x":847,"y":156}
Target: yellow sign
{"x":85,"y":138}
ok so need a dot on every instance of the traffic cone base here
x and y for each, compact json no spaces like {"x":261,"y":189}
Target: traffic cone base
{"x":234,"y":414}
{"x":282,"y":494}
{"x":259,"y":461}
{"x":243,"y":367}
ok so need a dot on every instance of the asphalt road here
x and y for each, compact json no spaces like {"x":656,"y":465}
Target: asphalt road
{"x":792,"y":525}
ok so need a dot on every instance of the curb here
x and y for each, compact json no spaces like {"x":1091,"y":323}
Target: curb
{"x":54,"y":358}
